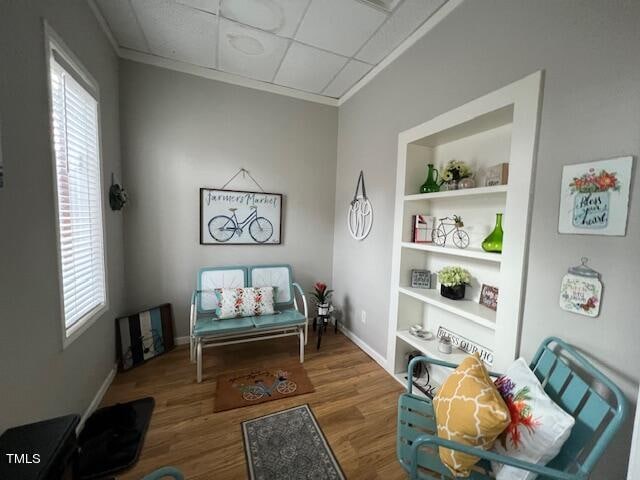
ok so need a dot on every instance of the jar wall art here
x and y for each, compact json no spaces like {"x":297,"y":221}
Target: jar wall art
{"x":595,"y":197}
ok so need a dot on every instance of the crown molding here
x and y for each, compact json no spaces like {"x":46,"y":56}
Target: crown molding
{"x":431,"y":22}
{"x":220,"y":76}
{"x":104,"y":25}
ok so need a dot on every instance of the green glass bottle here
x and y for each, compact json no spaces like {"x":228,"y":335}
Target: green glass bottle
{"x":493,"y":243}
{"x":431,"y":183}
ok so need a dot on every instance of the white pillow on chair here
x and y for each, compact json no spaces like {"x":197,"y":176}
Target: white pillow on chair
{"x":244,"y":302}
{"x":539,"y":427}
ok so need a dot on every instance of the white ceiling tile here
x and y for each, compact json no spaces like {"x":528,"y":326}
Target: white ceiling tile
{"x":340,"y":26}
{"x":210,"y":6}
{"x":388,"y":5}
{"x":123,"y":24}
{"x":307,"y":68}
{"x":350,"y":74}
{"x":249,"y":52}
{"x":404,"y":21}
{"x":276,"y":16}
{"x":178,"y":32}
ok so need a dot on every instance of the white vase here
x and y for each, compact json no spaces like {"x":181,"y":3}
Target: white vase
{"x":323,"y":309}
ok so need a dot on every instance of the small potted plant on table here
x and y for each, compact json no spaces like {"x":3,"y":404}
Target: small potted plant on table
{"x":322,"y":296}
{"x":453,"y":281}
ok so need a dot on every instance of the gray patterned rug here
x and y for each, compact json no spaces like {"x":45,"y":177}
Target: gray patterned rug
{"x":288,"y":445}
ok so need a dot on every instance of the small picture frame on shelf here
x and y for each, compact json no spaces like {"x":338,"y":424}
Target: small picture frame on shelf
{"x":423,"y":227}
{"x":497,"y":175}
{"x":421,"y":279}
{"x":489,"y":297}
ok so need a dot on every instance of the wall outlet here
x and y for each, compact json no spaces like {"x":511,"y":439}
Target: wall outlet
{"x":363,"y":317}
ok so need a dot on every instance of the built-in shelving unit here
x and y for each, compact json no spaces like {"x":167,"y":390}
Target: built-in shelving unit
{"x":500,"y":127}
{"x":477,"y":253}
{"x":466,"y":308}
{"x":467,"y":192}
{"x":430,"y":347}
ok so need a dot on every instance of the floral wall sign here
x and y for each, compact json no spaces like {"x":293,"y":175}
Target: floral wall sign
{"x":595,"y":197}
{"x":581,"y":291}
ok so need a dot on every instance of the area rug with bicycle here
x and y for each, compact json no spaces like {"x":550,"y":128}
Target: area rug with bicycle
{"x":259,"y":385}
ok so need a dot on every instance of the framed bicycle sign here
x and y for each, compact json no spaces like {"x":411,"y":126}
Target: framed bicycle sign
{"x":235,"y":217}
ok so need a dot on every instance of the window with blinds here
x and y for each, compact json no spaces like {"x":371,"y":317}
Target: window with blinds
{"x":74,"y":120}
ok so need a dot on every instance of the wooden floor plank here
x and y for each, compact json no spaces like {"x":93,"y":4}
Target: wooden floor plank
{"x":355,"y":402}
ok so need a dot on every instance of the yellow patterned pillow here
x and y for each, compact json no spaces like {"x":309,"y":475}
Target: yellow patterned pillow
{"x":469,"y":410}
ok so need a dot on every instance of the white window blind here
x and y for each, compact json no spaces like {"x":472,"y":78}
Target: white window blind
{"x":79,"y":195}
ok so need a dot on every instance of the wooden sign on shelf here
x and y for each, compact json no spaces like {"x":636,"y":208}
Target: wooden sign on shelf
{"x":467,"y":345}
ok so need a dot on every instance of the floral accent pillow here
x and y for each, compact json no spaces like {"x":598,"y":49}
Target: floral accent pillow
{"x":244,"y":302}
{"x":538,"y":426}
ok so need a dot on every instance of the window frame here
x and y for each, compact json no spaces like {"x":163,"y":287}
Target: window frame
{"x":53,"y":42}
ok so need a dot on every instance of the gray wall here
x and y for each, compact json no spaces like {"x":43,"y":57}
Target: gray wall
{"x":591,"y":110}
{"x":180,"y":133}
{"x":37,"y":378}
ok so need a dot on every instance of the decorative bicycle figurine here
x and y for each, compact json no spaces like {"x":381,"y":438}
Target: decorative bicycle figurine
{"x":223,"y":227}
{"x":451,"y":227}
{"x":282,"y":385}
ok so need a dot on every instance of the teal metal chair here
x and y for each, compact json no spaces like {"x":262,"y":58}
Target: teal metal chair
{"x":567,"y":377}
{"x":164,"y":473}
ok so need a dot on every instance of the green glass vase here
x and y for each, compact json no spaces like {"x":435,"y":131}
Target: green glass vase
{"x":493,"y":243}
{"x":431,"y":183}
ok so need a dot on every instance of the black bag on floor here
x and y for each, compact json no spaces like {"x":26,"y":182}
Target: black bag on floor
{"x":112,"y":438}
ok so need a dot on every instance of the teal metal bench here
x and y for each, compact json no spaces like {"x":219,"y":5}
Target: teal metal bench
{"x":567,"y":377}
{"x":207,"y":330}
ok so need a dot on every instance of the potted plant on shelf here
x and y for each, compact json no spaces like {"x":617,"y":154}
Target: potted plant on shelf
{"x":322,"y":296}
{"x":453,"y":172}
{"x":453,"y":281}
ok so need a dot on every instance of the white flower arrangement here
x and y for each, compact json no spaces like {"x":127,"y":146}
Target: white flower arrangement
{"x":452,"y":276}
{"x":455,"y":170}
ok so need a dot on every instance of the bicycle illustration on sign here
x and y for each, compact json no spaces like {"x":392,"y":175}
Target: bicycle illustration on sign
{"x":234,"y":217}
{"x":259,"y":389}
{"x":147,"y":345}
{"x":451,"y":226}
{"x":223,"y":227}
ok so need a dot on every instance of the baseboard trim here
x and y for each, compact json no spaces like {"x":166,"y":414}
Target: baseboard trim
{"x":93,"y":406}
{"x":364,"y":346}
{"x":181,"y":340}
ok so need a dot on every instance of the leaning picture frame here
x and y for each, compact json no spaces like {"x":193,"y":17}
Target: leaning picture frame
{"x":489,"y":297}
{"x":238,"y":217}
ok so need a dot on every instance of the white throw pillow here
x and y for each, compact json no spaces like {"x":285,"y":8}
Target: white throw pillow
{"x":539,"y":427}
{"x":244,"y":302}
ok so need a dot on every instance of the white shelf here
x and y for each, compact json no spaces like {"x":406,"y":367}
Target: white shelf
{"x":465,"y":308}
{"x":430,"y":348}
{"x":465,"y":192}
{"x":458,"y":252}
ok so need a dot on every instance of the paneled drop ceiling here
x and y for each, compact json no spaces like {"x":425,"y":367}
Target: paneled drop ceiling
{"x":320,"y":47}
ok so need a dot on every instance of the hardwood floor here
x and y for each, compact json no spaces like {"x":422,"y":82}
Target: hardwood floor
{"x":355,"y":402}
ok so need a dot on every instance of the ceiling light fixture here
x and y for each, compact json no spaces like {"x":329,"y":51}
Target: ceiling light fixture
{"x":263,"y":14}
{"x":246,"y":44}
